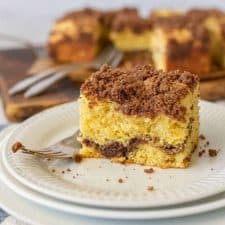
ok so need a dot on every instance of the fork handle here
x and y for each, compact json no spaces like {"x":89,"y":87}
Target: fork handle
{"x":44,"y":84}
{"x":29,"y":81}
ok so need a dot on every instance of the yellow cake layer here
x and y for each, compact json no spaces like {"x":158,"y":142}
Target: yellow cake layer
{"x":127,"y":40}
{"x":103,"y":122}
{"x":146,"y":154}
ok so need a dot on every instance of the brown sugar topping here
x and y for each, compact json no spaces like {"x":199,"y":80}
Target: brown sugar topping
{"x":131,"y":21}
{"x":85,"y":13}
{"x":200,"y":15}
{"x":106,"y":18}
{"x":111,"y":15}
{"x":142,"y":90}
{"x":85,"y":23}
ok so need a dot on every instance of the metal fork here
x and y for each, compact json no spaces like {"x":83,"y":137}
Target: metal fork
{"x":40,"y":82}
{"x":65,"y":149}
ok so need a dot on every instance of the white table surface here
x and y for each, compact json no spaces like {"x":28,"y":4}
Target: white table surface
{"x":32,"y":19}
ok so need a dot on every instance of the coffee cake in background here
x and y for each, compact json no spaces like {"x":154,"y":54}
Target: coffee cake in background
{"x":78,"y":36}
{"x":191,"y":39}
{"x":179,"y":43}
{"x":214,"y":21}
{"x":130,"y":32}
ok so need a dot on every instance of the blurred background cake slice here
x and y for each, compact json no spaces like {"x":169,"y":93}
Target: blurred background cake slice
{"x":135,"y":58}
{"x":193,"y":41}
{"x":140,"y":116}
{"x":78,"y":36}
{"x":214,"y":21}
{"x":130,"y":32}
{"x":178,"y":42}
{"x":163,"y":13}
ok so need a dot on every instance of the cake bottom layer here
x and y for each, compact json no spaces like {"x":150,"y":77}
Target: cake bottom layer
{"x":145,"y":153}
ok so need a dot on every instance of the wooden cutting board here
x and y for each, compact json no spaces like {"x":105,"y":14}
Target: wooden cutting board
{"x":14,"y":66}
{"x":213,"y":90}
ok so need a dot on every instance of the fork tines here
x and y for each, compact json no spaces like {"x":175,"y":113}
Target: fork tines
{"x":44,"y":153}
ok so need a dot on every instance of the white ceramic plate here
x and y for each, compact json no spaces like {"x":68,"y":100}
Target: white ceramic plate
{"x":37,"y":214}
{"x":172,"y":186}
{"x":188,"y":209}
{"x":205,"y":205}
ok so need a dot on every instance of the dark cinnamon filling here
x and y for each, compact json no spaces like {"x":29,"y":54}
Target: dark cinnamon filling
{"x":114,"y":148}
{"x":117,"y":149}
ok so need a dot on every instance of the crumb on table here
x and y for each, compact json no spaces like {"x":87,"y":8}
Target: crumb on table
{"x":77,"y":158}
{"x":201,"y":153}
{"x":150,"y":170}
{"x":212,"y":152}
{"x":120,"y":180}
{"x":16,"y":146}
{"x":202,"y":137}
{"x":150,"y":188}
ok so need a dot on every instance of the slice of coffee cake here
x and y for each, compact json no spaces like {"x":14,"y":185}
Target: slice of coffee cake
{"x":130,"y":32}
{"x":77,"y":37}
{"x":140,"y":116}
{"x":214,"y":21}
{"x":180,"y":42}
